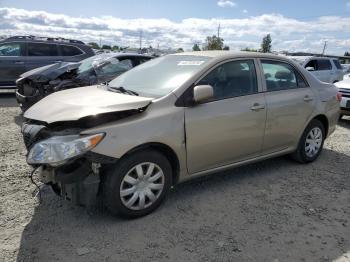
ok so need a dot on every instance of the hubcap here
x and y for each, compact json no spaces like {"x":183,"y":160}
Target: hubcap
{"x":313,"y":142}
{"x":142,"y":186}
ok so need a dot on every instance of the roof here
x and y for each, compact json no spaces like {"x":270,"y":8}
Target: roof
{"x":228,"y":54}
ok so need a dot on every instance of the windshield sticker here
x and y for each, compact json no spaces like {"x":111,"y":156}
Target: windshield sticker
{"x":190,"y":63}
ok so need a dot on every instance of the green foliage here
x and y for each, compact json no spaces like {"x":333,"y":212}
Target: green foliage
{"x":266,"y":44}
{"x":196,"y":47}
{"x":247,"y":49}
{"x":94,"y":45}
{"x":115,"y":48}
{"x":106,"y":47}
{"x":347,"y":54}
{"x":180,"y":50}
{"x":214,"y":43}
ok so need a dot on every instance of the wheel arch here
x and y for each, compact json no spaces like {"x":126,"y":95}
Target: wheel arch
{"x":324,"y":120}
{"x":166,"y":150}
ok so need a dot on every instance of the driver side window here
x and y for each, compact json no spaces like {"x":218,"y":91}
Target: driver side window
{"x":232,"y":79}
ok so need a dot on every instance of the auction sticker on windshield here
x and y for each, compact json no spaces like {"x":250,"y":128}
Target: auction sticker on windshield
{"x":191,"y":63}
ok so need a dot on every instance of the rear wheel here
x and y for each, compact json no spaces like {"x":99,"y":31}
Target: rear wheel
{"x":138,"y":184}
{"x":311,"y":142}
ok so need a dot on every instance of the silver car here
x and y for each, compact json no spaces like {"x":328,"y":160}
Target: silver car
{"x":175,"y":118}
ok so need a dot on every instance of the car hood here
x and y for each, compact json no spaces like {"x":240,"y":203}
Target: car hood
{"x":345,"y":84}
{"x":50,"y":72}
{"x":74,"y":104}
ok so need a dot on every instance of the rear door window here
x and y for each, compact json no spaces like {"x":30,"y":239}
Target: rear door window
{"x":42,"y":49}
{"x":68,"y":50}
{"x":11,"y":49}
{"x":281,"y":76}
{"x":324,"y":64}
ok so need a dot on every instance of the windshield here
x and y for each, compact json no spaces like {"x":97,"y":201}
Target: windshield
{"x":96,"y":61}
{"x":160,"y":76}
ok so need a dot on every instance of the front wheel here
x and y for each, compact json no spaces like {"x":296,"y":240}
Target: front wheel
{"x":138,"y":184}
{"x":311,"y":142}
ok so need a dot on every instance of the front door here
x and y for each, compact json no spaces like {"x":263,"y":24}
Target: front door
{"x":230,"y":127}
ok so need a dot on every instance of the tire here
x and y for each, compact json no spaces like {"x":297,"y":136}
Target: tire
{"x":123,"y":178}
{"x":304,"y":155}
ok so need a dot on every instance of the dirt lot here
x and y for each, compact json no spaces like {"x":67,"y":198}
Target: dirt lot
{"x":275,"y":210}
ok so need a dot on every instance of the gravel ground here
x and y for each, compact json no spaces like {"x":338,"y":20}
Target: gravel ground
{"x":276,"y":210}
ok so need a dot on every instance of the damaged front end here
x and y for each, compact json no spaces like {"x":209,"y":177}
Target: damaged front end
{"x":64,"y":160}
{"x":39,"y":83}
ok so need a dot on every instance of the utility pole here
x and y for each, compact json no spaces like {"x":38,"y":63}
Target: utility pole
{"x":324,"y":47}
{"x":219,"y":31}
{"x":140,"y":41}
{"x":100,"y":43}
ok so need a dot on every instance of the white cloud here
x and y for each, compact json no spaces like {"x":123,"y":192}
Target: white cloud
{"x":287,"y":34}
{"x":244,"y":11}
{"x":226,"y":3}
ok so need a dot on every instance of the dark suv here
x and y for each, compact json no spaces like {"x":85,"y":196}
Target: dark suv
{"x":19,"y":54}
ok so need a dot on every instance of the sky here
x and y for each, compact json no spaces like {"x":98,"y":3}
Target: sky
{"x":294,"y":25}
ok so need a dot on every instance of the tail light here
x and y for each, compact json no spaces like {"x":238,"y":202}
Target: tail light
{"x":338,"y":96}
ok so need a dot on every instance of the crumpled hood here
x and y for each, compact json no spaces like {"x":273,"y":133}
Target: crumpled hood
{"x":73,"y":104}
{"x":343,"y":84}
{"x":50,"y":72}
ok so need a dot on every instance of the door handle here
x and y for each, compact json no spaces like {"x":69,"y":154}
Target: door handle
{"x":257,"y":107}
{"x":307,"y":98}
{"x":19,"y":62}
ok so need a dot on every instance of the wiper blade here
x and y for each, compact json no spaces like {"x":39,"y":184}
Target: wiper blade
{"x":123,"y":90}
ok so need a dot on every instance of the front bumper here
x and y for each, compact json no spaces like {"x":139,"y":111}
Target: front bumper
{"x":345,"y":106}
{"x":22,"y":99}
{"x":76,"y":182}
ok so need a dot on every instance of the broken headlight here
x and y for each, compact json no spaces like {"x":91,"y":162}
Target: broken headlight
{"x":56,"y":150}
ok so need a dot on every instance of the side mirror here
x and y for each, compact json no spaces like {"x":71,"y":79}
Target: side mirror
{"x":202,"y":93}
{"x":310,"y":68}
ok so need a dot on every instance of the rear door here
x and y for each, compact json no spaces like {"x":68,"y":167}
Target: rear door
{"x":230,"y":127}
{"x":12,"y":63}
{"x":41,"y":54}
{"x":290,"y":102}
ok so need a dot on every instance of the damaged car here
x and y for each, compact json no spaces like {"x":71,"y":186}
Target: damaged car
{"x":172,"y":119}
{"x":40,"y":82}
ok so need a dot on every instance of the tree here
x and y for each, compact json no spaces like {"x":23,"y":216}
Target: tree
{"x":180,"y":50}
{"x":115,"y":48}
{"x":226,"y":47}
{"x":106,"y":47}
{"x":247,"y":49}
{"x":94,"y":45}
{"x":196,"y":47}
{"x":266,"y":44}
{"x":347,"y":54}
{"x":214,"y":43}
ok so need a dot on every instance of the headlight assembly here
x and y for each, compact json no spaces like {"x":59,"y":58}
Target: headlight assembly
{"x":56,"y":150}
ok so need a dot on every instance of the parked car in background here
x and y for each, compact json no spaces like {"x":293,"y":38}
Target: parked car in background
{"x":19,"y":54}
{"x":40,"y":82}
{"x":174,"y":118}
{"x":344,"y":89}
{"x":325,"y":69}
{"x":346,"y":69}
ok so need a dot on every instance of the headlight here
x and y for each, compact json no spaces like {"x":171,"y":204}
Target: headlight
{"x":56,"y":150}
